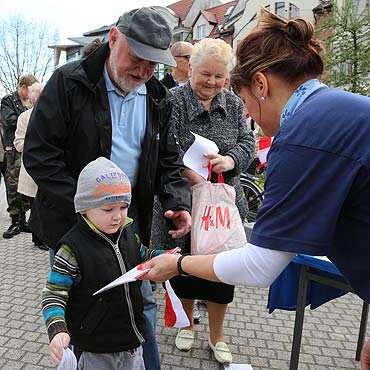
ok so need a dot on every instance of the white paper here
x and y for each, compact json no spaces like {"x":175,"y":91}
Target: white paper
{"x":238,"y":367}
{"x":194,"y":158}
{"x":128,"y":277}
{"x":69,"y":361}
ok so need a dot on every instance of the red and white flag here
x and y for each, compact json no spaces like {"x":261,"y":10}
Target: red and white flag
{"x":263,"y":148}
{"x":174,"y":314}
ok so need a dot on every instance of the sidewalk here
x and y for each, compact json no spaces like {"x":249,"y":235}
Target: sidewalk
{"x":255,"y":337}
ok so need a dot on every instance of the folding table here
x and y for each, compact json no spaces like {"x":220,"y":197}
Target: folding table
{"x":310,"y":280}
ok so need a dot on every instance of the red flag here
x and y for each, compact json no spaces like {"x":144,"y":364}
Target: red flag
{"x":174,"y":314}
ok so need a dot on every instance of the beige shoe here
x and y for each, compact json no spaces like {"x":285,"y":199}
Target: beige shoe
{"x":184,"y":340}
{"x":221,"y":352}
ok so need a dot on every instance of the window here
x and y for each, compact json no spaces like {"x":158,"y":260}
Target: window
{"x":293,"y":11}
{"x":280,"y":8}
{"x":201,"y":31}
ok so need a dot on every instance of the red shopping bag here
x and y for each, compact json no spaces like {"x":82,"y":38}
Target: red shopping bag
{"x":216,"y":223}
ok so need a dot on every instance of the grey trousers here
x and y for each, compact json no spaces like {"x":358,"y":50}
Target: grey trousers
{"x":112,"y":361}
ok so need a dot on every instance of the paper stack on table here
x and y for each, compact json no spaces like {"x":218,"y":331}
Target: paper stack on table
{"x":193,"y":157}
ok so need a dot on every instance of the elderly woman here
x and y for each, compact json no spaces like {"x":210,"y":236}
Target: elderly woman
{"x":317,"y":198}
{"x":26,"y":185}
{"x":202,"y":106}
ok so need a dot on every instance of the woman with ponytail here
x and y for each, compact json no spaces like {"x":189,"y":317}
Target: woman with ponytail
{"x":317,"y":190}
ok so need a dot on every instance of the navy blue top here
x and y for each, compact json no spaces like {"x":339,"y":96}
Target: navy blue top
{"x":317,"y":198}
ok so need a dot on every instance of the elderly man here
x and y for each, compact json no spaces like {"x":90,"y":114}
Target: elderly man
{"x":181,"y":51}
{"x":110,"y":104}
{"x":12,"y":106}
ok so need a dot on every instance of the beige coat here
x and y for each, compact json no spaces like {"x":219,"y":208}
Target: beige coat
{"x":26,"y":185}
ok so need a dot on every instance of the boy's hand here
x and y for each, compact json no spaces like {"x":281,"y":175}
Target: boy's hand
{"x":56,"y":346}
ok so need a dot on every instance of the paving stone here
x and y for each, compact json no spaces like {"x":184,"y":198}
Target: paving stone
{"x":253,"y":335}
{"x":12,"y":365}
{"x":13,"y":354}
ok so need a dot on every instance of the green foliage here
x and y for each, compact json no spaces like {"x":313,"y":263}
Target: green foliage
{"x":348,"y":46}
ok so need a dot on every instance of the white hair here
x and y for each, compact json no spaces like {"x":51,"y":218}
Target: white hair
{"x":216,"y":48}
{"x":34,"y":91}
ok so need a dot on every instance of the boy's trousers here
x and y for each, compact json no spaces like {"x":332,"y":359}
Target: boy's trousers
{"x":128,"y":360}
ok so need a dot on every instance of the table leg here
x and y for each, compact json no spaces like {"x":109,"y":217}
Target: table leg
{"x":299,"y":316}
{"x":361,"y":334}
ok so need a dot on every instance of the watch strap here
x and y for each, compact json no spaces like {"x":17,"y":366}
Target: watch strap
{"x":179,"y":268}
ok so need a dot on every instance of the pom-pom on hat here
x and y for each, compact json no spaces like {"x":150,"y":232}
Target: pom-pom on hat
{"x":101,"y":182}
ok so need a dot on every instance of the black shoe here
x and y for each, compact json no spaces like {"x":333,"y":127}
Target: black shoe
{"x":23,"y":224}
{"x":41,"y":246}
{"x":13,"y":230}
{"x":24,"y":228}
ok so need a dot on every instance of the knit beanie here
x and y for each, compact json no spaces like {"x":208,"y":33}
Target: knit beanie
{"x":101,"y":182}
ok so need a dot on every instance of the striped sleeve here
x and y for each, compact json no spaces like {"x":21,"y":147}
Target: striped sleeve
{"x":148,"y":253}
{"x":63,"y":275}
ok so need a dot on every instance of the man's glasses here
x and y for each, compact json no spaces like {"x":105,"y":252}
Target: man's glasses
{"x":187,"y":57}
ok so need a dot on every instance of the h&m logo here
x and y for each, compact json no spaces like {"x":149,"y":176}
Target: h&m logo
{"x":222,"y":218}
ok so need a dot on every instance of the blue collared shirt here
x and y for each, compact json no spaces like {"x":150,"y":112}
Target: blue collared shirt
{"x":128,"y":114}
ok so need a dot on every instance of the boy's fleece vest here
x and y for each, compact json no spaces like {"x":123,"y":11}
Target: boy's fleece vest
{"x":111,"y":321}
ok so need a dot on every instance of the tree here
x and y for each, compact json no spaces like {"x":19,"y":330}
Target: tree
{"x":24,"y":49}
{"x":348,"y":46}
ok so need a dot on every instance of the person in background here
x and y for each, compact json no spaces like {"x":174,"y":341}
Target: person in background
{"x":2,"y":161}
{"x":204,"y":107}
{"x":26,"y":185}
{"x":313,"y":164}
{"x":12,"y":106}
{"x":90,"y":47}
{"x":106,"y":330}
{"x":227,"y":82}
{"x":110,"y":104}
{"x":181,"y":51}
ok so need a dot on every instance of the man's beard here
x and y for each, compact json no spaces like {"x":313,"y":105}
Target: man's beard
{"x":126,"y":83}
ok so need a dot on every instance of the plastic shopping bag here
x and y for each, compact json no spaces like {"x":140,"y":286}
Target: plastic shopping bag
{"x":217,"y":225}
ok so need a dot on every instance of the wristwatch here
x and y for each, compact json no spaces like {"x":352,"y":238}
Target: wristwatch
{"x":179,"y":268}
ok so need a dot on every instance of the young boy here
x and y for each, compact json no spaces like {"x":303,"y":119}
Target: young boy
{"x":106,"y":330}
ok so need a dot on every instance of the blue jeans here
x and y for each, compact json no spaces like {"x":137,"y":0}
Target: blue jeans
{"x":150,"y":348}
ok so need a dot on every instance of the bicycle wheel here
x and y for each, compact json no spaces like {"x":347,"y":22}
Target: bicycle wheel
{"x":254,"y":196}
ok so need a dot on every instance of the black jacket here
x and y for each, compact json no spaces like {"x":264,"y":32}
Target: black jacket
{"x":11,"y":108}
{"x":71,"y":126}
{"x":111,"y":321}
{"x":168,"y":81}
